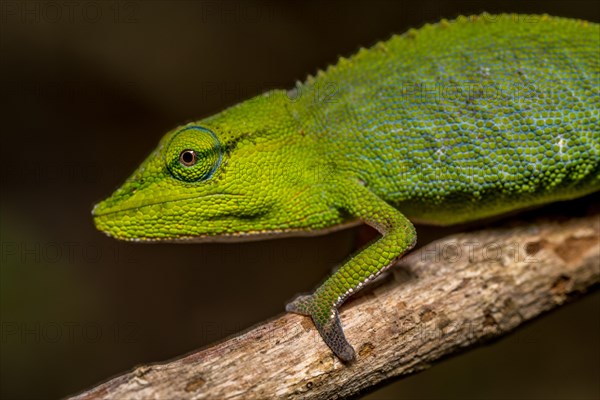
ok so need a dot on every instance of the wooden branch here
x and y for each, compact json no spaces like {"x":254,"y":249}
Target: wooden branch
{"x":442,"y":299}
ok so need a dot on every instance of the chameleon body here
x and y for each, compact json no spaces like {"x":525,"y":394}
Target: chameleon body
{"x":452,"y":122}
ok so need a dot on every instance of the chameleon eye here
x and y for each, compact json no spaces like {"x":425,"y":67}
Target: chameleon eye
{"x":193,"y":154}
{"x":188,"y":158}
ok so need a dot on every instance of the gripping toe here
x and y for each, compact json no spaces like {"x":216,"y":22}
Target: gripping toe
{"x":333,"y":335}
{"x":327,"y":323}
{"x":300,"y":305}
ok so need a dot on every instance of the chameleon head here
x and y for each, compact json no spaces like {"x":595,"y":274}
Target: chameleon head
{"x":181,"y":191}
{"x":226,"y":177}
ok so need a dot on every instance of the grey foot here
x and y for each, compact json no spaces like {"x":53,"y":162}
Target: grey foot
{"x":327,"y":323}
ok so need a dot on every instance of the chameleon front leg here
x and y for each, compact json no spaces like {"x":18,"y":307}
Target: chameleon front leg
{"x":398,"y":236}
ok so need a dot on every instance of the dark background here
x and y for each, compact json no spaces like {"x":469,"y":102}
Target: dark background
{"x":89,"y":88}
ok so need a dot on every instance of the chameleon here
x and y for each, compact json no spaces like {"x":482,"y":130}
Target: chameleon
{"x":452,"y":122}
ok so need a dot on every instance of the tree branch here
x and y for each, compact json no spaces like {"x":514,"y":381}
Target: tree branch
{"x":439,"y":300}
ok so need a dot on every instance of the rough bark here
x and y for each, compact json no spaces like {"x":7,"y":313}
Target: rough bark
{"x":444,"y":298}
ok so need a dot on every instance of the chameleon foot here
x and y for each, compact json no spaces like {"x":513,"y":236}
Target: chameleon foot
{"x":327,"y":323}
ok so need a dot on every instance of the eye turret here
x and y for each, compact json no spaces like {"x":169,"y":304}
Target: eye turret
{"x":193,"y":154}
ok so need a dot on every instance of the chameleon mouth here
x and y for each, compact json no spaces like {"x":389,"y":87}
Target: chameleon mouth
{"x":97,"y":211}
{"x":138,"y":221}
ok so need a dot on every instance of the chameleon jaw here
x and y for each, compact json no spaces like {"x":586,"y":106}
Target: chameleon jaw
{"x":250,"y":236}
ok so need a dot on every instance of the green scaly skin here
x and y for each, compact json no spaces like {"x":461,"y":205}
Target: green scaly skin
{"x":452,"y":122}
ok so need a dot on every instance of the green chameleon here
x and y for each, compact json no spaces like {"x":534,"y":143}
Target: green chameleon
{"x":449,"y":123}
